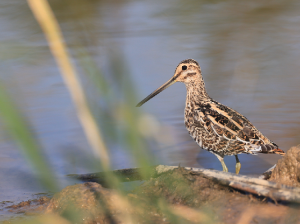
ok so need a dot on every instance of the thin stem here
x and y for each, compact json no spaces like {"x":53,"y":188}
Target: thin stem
{"x":49,"y":24}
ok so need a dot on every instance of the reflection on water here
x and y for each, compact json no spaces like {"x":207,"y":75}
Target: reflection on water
{"x":248,"y":52}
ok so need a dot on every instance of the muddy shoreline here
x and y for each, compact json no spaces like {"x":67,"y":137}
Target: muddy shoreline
{"x":176,"y":196}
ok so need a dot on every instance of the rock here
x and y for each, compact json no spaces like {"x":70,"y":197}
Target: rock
{"x":287,"y":170}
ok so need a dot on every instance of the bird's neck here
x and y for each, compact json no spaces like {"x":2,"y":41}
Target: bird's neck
{"x":196,"y":93}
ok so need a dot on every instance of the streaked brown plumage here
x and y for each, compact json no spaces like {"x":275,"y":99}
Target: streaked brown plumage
{"x":215,"y":127}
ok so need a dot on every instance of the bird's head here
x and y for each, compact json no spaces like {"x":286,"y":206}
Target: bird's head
{"x":188,"y":71}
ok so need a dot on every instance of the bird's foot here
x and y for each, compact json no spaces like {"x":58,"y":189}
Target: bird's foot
{"x":225,"y":169}
{"x":238,"y":167}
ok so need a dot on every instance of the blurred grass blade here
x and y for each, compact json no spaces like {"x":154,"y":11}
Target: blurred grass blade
{"x":48,"y":23}
{"x":20,"y":131}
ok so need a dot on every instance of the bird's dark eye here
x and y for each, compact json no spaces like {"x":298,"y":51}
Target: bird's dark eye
{"x":184,"y":67}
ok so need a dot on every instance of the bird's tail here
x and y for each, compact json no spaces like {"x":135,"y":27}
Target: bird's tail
{"x":268,"y":148}
{"x":279,"y":152}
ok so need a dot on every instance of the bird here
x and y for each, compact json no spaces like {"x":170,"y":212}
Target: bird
{"x":214,"y":126}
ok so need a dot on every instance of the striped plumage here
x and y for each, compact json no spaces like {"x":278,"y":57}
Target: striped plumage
{"x":215,"y":127}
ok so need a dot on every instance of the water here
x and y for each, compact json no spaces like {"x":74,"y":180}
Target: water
{"x":248,"y":52}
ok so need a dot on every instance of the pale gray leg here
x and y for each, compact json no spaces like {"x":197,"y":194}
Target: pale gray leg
{"x":237,"y":165}
{"x":225,"y":169}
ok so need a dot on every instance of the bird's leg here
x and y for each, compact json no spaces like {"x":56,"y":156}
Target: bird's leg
{"x":225,"y":169}
{"x":237,"y":165}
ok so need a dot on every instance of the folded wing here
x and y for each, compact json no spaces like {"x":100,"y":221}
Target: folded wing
{"x":237,"y":129}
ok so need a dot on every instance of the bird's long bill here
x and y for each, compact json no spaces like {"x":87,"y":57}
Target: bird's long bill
{"x":160,"y":89}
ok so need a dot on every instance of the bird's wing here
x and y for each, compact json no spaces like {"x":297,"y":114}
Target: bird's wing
{"x":231,"y":125}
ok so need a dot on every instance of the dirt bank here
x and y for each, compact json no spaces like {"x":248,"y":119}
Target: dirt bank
{"x":177,"y":196}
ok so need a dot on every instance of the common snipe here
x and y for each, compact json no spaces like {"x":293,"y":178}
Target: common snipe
{"x":215,"y":127}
